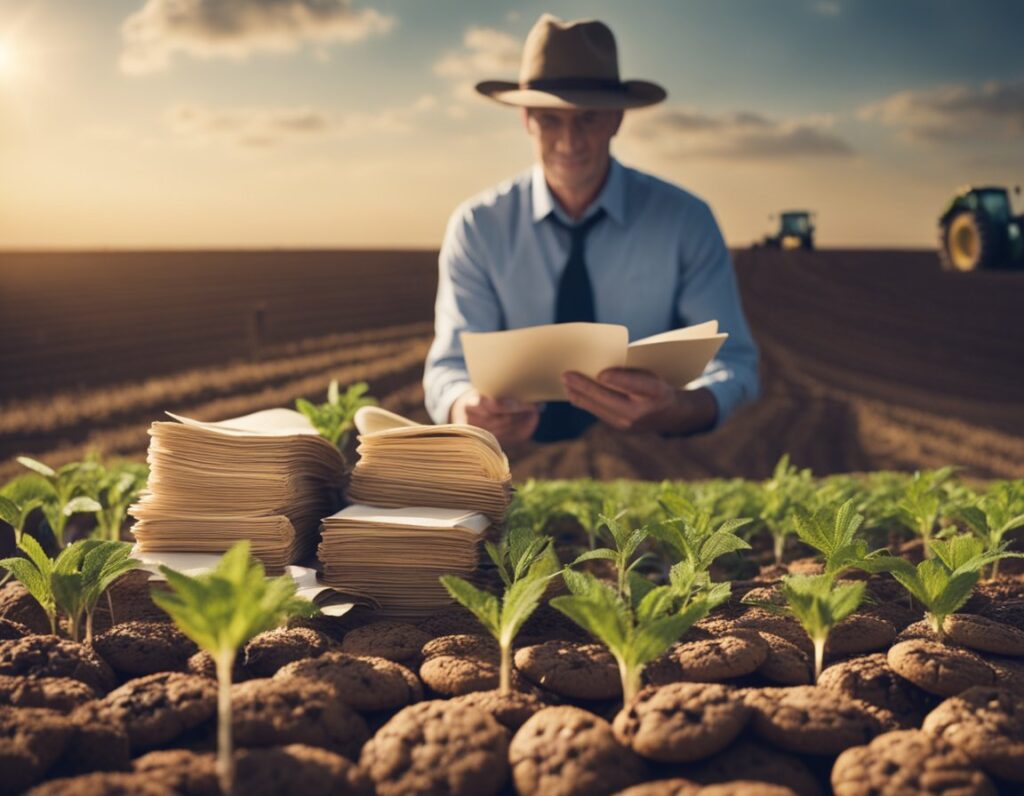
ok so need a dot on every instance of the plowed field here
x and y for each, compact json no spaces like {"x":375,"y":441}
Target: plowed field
{"x":870,"y":359}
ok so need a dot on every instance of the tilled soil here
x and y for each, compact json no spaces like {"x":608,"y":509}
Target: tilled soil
{"x":921,"y":715}
{"x":869,"y":360}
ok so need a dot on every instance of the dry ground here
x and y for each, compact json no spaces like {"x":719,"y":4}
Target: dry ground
{"x":870,"y":359}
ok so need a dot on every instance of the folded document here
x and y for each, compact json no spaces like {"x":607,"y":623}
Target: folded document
{"x":527,"y":364}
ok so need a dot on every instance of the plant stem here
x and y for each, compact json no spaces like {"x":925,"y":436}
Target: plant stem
{"x":88,"y":626}
{"x":630,"y":680}
{"x":995,"y":570}
{"x":225,"y":660}
{"x":110,"y":605}
{"x":780,"y":546}
{"x":505,"y":680}
{"x":53,"y":622}
{"x":819,"y":656}
{"x":936,"y":623}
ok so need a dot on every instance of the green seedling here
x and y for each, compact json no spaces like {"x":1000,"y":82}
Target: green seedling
{"x":526,"y":563}
{"x":34,"y":572}
{"x":995,"y":515}
{"x":78,"y":585}
{"x":922,"y":502}
{"x":833,"y":533}
{"x":19,"y":498}
{"x":639,"y":626}
{"x":220,"y":611}
{"x":818,"y":603}
{"x":115,"y":487}
{"x":588,"y":504}
{"x":336,"y":418}
{"x":942,"y":584}
{"x":73,"y":582}
{"x":64,"y":497}
{"x":788,"y":487}
{"x":626,"y":542}
{"x":691,"y":536}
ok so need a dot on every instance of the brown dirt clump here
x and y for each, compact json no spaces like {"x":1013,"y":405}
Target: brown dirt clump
{"x":567,"y":750}
{"x":438,"y":747}
{"x":908,"y":761}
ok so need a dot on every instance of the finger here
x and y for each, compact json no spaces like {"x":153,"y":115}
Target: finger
{"x":523,"y":431}
{"x":500,"y":428}
{"x":519,"y":429}
{"x":632,"y":381}
{"x":600,"y":411}
{"x":503,"y":406}
{"x":612,"y":407}
{"x":613,"y":400}
{"x":486,"y":418}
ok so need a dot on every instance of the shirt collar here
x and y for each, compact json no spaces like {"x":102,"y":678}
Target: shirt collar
{"x":612,"y":197}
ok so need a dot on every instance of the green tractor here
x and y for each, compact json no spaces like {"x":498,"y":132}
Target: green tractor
{"x":978,"y":230}
{"x":796,"y":231}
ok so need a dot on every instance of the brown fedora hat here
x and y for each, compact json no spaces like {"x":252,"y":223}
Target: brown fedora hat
{"x":571,"y":65}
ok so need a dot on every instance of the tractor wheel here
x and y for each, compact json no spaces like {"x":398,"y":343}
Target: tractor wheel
{"x":968,"y":242}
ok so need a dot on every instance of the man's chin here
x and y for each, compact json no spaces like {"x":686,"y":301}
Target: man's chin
{"x":574,"y":179}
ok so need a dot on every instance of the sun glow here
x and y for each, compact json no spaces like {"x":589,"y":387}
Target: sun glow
{"x":7,"y":59}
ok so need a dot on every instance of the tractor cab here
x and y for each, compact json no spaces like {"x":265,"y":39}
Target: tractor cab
{"x":978,"y":230}
{"x":796,"y":231}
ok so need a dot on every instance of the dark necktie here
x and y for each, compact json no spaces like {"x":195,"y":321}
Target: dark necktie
{"x":574,"y":302}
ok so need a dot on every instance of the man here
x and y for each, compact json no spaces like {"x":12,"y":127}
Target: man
{"x":581,"y":237}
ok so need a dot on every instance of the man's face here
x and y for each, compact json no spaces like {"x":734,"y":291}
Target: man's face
{"x":573,"y":146}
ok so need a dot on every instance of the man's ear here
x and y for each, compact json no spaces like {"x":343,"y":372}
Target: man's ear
{"x":620,"y":114}
{"x":524,"y":114}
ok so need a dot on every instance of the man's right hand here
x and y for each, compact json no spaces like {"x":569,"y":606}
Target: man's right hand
{"x":509,"y":420}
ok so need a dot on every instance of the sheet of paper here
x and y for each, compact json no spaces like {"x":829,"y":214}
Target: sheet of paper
{"x":706,"y":329}
{"x":374,"y":419}
{"x":527,"y":364}
{"x":678,"y":362}
{"x":187,"y":563}
{"x":268,"y":422}
{"x":420,"y":516}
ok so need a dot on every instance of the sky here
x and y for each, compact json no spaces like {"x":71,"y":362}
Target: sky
{"x":129,"y":124}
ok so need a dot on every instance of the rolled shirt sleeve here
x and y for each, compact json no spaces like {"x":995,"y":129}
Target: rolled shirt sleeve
{"x":707,"y":291}
{"x":466,"y":300}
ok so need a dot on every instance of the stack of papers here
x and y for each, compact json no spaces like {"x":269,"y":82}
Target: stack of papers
{"x":394,"y":557}
{"x":268,"y":477}
{"x":402,"y":463}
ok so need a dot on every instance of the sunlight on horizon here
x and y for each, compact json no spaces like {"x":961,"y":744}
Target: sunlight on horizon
{"x":7,"y":59}
{"x":264,"y":122}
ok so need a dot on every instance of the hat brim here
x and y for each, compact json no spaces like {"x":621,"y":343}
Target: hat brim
{"x":634,"y":94}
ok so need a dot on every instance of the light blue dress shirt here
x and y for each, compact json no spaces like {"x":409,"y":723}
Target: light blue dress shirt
{"x":656,"y":263}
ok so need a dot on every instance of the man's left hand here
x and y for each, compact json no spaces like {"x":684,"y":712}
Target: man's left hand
{"x":637,"y":400}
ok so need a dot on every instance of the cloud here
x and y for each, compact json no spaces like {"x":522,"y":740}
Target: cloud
{"x":263,"y":128}
{"x":237,"y":28}
{"x":247,"y":127}
{"x":486,"y":54}
{"x":684,"y":132}
{"x":993,"y":110}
